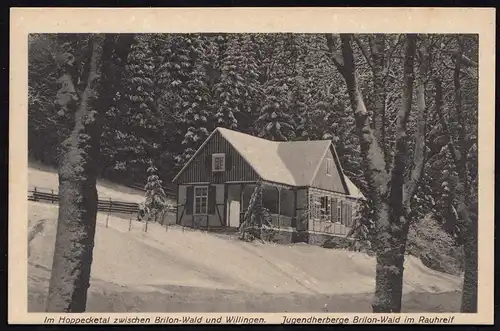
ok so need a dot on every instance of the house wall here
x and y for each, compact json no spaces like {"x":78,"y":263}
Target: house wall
{"x":201,"y":221}
{"x":331,"y":182}
{"x":200,"y":168}
{"x":325,"y":224}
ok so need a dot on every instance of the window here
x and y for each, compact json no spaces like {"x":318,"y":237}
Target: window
{"x":333,"y":212}
{"x":201,"y":200}
{"x":329,"y":165}
{"x":315,"y":207}
{"x":339,"y":211}
{"x":349,"y":215}
{"x":219,"y":162}
{"x":325,"y":211}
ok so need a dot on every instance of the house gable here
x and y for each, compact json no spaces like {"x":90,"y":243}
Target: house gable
{"x":199,"y":167}
{"x":333,"y":180}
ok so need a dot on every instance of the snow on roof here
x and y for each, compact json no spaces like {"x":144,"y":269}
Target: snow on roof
{"x":292,"y":163}
{"x":353,"y":190}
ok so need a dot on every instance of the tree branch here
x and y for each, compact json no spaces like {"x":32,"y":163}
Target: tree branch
{"x":418,"y":153}
{"x":388,"y":61}
{"x":377,"y":46}
{"x":336,"y":57}
{"x":464,"y":60}
{"x":404,"y":110}
{"x":461,"y":122}
{"x":364,"y":51}
{"x":373,"y":156}
{"x":455,"y":154}
{"x":397,"y":180}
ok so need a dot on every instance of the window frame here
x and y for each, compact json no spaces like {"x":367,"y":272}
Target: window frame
{"x":214,"y":157}
{"x":200,"y":197}
{"x":329,"y":166}
{"x":325,"y":207}
{"x":339,"y":211}
{"x":315,"y":207}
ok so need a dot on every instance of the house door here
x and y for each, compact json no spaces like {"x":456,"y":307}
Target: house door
{"x":234,"y":213}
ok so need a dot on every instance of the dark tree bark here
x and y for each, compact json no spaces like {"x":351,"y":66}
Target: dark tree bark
{"x":469,"y":224}
{"x":78,"y":196}
{"x":469,"y":289}
{"x":467,"y":219}
{"x":411,"y":182}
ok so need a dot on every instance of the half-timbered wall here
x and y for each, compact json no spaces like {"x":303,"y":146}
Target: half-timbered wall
{"x":200,"y":168}
{"x":186,"y":215}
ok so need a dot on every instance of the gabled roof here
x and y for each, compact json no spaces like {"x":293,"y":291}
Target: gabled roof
{"x":292,"y":163}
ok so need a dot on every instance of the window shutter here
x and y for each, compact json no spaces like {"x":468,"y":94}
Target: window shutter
{"x":349,"y":215}
{"x":327,"y":207}
{"x":334,"y":208}
{"x":189,"y":200}
{"x":331,"y":210}
{"x":229,"y":162}
{"x":341,"y":216}
{"x":344,"y":212}
{"x":212,"y":192}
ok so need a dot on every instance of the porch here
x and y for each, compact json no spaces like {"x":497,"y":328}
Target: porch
{"x":296,"y":209}
{"x":285,"y":204}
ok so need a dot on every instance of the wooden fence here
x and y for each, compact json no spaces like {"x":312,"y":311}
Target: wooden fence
{"x":105,"y":205}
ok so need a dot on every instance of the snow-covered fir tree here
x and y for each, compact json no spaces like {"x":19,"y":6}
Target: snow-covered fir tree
{"x":156,"y":200}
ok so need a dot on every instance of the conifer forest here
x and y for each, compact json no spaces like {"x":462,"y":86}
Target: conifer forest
{"x":401,"y":110}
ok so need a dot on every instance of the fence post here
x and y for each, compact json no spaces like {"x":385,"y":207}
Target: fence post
{"x":109,"y":211}
{"x":34,"y":194}
{"x":52,"y":196}
{"x":130,"y":221}
{"x":165,"y":212}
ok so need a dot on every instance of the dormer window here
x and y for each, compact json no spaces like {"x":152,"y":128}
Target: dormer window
{"x":218,"y":162}
{"x":329,"y":166}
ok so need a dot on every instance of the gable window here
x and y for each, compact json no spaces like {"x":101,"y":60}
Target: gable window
{"x":218,"y":162}
{"x":329,"y":166}
{"x":200,"y":199}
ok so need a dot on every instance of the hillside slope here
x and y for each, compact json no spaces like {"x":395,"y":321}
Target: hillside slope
{"x":175,"y":261}
{"x":46,"y":178}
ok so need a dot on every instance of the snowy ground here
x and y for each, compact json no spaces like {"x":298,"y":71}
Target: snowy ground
{"x":47,"y":178}
{"x":191,"y":270}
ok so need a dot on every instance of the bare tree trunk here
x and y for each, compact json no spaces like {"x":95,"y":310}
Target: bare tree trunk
{"x":469,"y":289}
{"x":391,"y":224}
{"x":410,"y":183}
{"x":379,"y":95}
{"x":78,"y":201}
{"x":469,"y":224}
{"x":467,"y":221}
{"x":386,"y":267}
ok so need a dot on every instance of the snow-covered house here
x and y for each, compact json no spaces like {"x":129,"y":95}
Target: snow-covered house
{"x":305,"y":187}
